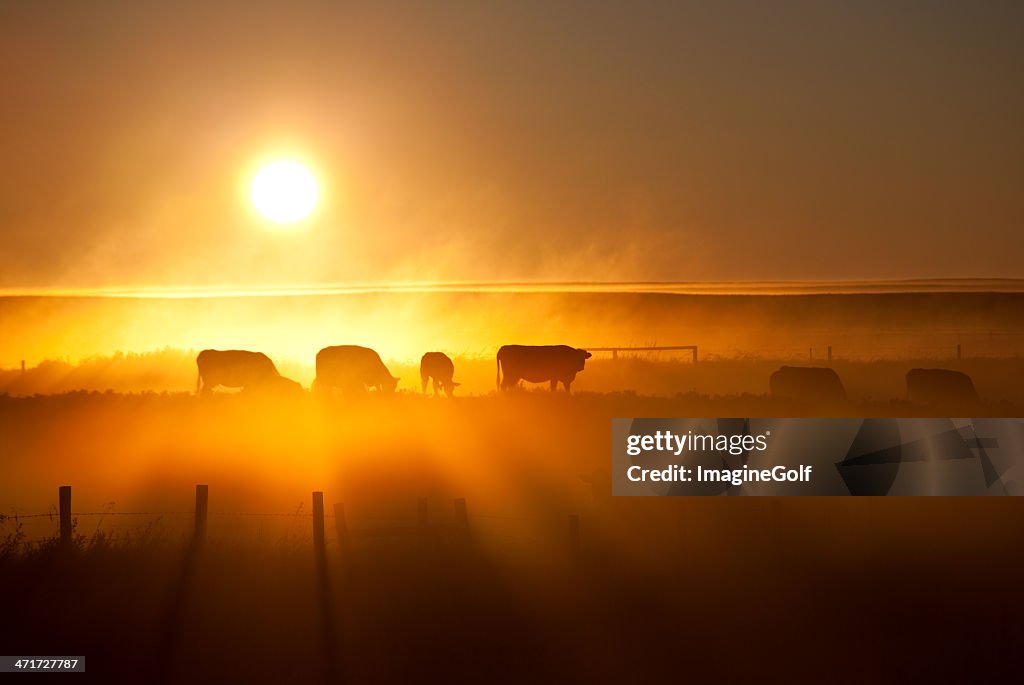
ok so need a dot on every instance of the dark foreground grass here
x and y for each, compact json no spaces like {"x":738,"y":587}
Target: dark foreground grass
{"x":683,"y":589}
{"x":773,"y":591}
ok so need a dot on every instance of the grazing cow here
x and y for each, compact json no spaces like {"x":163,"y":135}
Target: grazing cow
{"x":352,"y":369}
{"x":239,"y":369}
{"x":539,"y":364}
{"x":940,"y":386}
{"x":807,"y":383}
{"x":438,"y":367}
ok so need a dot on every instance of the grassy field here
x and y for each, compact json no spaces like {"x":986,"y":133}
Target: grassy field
{"x":723,"y":588}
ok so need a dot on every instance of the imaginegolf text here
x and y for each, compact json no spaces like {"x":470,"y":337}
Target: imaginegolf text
{"x":681,"y":474}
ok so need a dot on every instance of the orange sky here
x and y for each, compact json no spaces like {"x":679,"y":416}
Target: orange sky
{"x":526,"y":141}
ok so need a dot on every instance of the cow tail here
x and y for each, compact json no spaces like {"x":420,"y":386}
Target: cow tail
{"x":199,"y":381}
{"x":497,"y":373}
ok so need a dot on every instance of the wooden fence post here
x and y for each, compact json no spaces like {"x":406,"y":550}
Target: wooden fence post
{"x":830,"y":353}
{"x":318,"y":521}
{"x":574,"y":536}
{"x":64,"y":497}
{"x":461,"y":518}
{"x":959,"y":352}
{"x":694,"y":354}
{"x":202,"y":511}
{"x":422,"y":515}
{"x":341,"y":529}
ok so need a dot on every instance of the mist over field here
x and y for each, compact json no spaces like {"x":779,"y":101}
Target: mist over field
{"x":401,"y":326}
{"x":106,"y":399}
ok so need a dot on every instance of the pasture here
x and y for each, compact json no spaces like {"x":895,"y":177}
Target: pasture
{"x":655,"y":587}
{"x":540,"y":571}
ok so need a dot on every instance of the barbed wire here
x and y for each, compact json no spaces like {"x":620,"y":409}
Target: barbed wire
{"x":326,"y":515}
{"x":54,"y":515}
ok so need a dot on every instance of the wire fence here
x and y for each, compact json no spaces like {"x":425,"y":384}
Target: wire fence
{"x":459,"y":525}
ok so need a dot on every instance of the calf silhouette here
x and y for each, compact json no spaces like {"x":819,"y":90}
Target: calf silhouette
{"x":439,"y":368}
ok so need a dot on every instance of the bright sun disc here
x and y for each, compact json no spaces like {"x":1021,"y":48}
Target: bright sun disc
{"x":284,"y":192}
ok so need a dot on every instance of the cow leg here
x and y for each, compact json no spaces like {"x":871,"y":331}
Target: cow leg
{"x":567,"y":384}
{"x":423,"y":379}
{"x":554,"y":385}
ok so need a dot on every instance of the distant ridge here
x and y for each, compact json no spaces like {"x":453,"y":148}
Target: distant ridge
{"x":948,"y":285}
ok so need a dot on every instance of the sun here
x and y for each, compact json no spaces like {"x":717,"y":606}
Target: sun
{"x":284,"y":192}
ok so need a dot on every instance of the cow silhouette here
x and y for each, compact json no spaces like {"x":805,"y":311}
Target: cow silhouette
{"x":240,"y":369}
{"x":539,"y":364}
{"x":438,"y":367}
{"x":940,"y":386}
{"x":352,"y":369}
{"x":807,"y":383}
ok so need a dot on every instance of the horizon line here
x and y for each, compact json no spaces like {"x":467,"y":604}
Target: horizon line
{"x":750,"y":287}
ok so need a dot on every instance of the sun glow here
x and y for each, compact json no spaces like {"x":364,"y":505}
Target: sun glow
{"x":284,"y":192}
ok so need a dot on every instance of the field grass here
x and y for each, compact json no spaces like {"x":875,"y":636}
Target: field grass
{"x":684,"y":588}
{"x":730,"y":589}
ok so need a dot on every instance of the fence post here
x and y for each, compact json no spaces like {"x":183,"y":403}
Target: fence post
{"x":202,"y":509}
{"x":318,"y":521}
{"x":810,"y":353}
{"x":422,"y":515}
{"x":959,"y":351}
{"x":830,"y":353}
{"x":694,"y":354}
{"x":574,"y":536}
{"x":341,"y":529}
{"x":64,"y":497}
{"x":461,"y":518}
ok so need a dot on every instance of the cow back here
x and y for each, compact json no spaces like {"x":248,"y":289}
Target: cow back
{"x":940,"y":386}
{"x":539,"y":363}
{"x":437,"y":365}
{"x":351,"y":363}
{"x":235,"y":368}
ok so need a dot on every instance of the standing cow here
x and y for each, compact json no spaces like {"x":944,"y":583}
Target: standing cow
{"x":239,"y":369}
{"x":539,"y":364}
{"x":352,"y":369}
{"x":439,"y":367}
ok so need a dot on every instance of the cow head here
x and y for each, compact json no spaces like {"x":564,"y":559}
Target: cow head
{"x":583,"y":357}
{"x":390,"y":385}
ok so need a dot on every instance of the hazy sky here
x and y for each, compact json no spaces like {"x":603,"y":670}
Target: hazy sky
{"x":479,"y":141}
